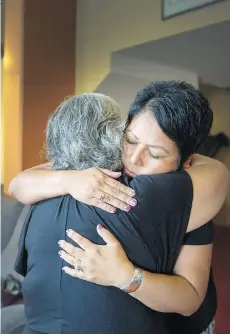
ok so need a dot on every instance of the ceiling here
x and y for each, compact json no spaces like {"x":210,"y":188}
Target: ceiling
{"x":205,"y":51}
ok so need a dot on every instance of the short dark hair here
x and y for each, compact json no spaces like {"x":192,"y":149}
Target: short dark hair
{"x":182,"y":112}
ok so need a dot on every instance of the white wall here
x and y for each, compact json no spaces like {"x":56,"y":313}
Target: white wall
{"x":105,"y":26}
{"x":121,"y":87}
{"x":150,"y":70}
{"x":219,"y":99}
{"x":129,"y":75}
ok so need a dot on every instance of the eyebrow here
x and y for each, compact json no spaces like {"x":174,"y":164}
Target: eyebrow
{"x":153,"y":146}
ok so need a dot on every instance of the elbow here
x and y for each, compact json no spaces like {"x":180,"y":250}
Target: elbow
{"x":11,"y":189}
{"x":192,"y":308}
{"x":186,"y":310}
{"x":189,"y":311}
{"x":26,"y":201}
{"x":14,"y":191}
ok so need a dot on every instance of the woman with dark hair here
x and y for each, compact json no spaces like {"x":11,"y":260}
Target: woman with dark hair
{"x":168,"y":122}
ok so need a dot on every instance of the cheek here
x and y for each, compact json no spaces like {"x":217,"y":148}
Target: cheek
{"x":127,"y":150}
{"x":125,"y":154}
{"x":154,"y":166}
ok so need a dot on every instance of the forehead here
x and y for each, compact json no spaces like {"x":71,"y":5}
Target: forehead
{"x":147,"y":131}
{"x":142,"y":122}
{"x":145,"y":127}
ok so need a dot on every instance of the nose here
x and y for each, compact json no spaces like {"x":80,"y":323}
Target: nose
{"x":138,"y":155}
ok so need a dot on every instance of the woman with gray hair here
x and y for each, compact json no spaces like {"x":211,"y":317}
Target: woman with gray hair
{"x":86,"y":131}
{"x":182,"y":195}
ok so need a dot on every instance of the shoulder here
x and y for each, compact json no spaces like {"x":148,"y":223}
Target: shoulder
{"x":172,"y":185}
{"x":52,"y":207}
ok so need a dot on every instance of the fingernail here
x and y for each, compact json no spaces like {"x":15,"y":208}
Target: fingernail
{"x":60,"y":253}
{"x":132,"y":192}
{"x":112,"y":210}
{"x":100,"y":227}
{"x":127,"y":208}
{"x":133,"y":202}
{"x":69,"y":232}
{"x":60,"y":242}
{"x":64,"y":269}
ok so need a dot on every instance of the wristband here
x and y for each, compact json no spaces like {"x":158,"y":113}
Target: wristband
{"x":135,"y":281}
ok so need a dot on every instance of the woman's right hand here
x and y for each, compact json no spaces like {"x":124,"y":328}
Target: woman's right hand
{"x":99,"y":187}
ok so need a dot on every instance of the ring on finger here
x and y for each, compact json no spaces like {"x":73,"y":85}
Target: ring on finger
{"x":102,"y":197}
{"x":78,"y":265}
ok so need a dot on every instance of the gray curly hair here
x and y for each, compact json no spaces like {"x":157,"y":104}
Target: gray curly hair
{"x":85,"y":131}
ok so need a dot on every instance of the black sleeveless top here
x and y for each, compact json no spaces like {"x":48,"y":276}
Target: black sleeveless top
{"x":151,"y":234}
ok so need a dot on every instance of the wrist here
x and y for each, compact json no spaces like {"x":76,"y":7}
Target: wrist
{"x":135,"y":282}
{"x":125,"y":275}
{"x":64,"y":182}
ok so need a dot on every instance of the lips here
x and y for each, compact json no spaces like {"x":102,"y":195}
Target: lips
{"x":130,"y":173}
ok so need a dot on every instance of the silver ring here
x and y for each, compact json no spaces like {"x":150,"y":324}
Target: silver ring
{"x":78,"y":266}
{"x":102,"y":197}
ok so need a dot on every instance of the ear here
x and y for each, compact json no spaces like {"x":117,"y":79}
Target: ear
{"x":187,"y":163}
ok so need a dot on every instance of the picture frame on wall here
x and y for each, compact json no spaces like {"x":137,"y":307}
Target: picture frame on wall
{"x":171,"y":8}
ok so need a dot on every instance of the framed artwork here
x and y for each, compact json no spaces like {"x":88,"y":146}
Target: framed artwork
{"x":172,"y":8}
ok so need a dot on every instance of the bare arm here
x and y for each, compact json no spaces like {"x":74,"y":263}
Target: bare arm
{"x":210,"y":180}
{"x":37,"y":183}
{"x":87,"y":186}
{"x":182,"y":292}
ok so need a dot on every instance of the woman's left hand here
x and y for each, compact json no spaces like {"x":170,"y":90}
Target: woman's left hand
{"x":101,"y":264}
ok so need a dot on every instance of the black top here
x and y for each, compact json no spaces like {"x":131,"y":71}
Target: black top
{"x":199,"y":321}
{"x":201,"y":236}
{"x":151,"y":234}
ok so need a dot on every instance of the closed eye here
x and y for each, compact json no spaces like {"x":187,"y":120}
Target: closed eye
{"x":130,"y":142}
{"x":155,"y":156}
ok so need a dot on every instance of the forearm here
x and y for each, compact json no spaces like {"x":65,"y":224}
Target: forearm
{"x":34,"y":185}
{"x":166,"y":293}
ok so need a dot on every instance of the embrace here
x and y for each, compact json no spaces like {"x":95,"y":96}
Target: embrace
{"x":119,"y":235}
